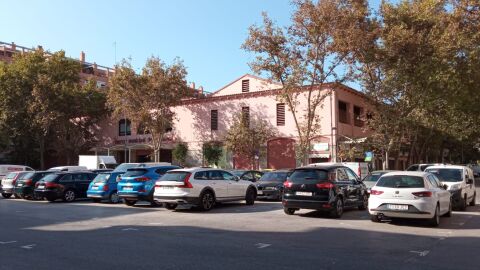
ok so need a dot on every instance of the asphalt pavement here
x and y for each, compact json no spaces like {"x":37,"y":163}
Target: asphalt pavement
{"x":83,"y":235}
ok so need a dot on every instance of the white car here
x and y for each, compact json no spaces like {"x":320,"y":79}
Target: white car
{"x":418,"y":195}
{"x":202,"y":187}
{"x":460,"y":181}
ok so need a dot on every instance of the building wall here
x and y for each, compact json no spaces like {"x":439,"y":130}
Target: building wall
{"x":255,"y":84}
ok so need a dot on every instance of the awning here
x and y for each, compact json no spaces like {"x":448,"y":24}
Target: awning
{"x":353,"y":141}
{"x":319,"y":155}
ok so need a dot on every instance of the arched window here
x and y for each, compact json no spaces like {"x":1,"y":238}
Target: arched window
{"x":124,"y":127}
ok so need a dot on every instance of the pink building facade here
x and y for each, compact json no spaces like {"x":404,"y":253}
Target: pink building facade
{"x":200,"y":120}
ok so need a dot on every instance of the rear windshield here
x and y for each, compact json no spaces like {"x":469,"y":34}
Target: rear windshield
{"x":103,"y":177}
{"x":27,"y":176}
{"x":412,"y":168}
{"x":174,"y":176}
{"x":124,"y":167}
{"x":308,"y":175}
{"x":401,"y":181}
{"x":52,"y":177}
{"x":447,"y":175}
{"x":11,"y":175}
{"x":424,"y":167}
{"x":274,"y":177}
{"x":134,"y":172}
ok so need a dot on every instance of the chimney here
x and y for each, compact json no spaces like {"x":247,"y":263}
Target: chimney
{"x":192,"y":85}
{"x":14,"y":47}
{"x":82,"y":56}
{"x":40,"y":48}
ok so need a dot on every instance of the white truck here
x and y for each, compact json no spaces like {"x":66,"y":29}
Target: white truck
{"x":97,"y":162}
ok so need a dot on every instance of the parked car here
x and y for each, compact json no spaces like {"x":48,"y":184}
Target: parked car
{"x":6,"y":169}
{"x":252,"y":176}
{"x":459,"y":181}
{"x":102,"y":170}
{"x":137,"y":184}
{"x":68,"y":168}
{"x":67,"y":186}
{"x":270,"y":185}
{"x":202,"y":187}
{"x":328,"y":187}
{"x":8,"y":184}
{"x":420,"y":167}
{"x":417,"y":195}
{"x":104,"y":186}
{"x":361,"y":169}
{"x":25,"y":185}
{"x":371,"y":179}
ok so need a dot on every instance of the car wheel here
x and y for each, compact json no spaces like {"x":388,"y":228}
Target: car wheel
{"x":449,"y":213}
{"x":464,"y":203}
{"x":289,"y":211}
{"x":364,"y":204}
{"x":207,"y":200}
{"x":36,"y":197}
{"x":338,"y":210}
{"x":171,"y":206}
{"x":435,"y":220}
{"x":375,"y":218}
{"x":473,"y":201}
{"x":69,"y":196}
{"x":16,"y":196}
{"x":6,"y":195}
{"x":250,"y":196}
{"x":114,"y":198}
{"x":129,"y":202}
{"x":97,"y":200}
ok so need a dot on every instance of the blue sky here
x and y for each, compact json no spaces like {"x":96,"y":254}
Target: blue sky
{"x":206,"y":34}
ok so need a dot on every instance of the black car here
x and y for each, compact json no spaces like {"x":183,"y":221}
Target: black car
{"x":24,"y":187}
{"x":328,"y":188}
{"x":252,"y":176}
{"x":270,"y":185}
{"x":64,"y":185}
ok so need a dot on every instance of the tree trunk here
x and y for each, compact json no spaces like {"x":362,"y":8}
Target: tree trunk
{"x":385,"y":162}
{"x":42,"y":152}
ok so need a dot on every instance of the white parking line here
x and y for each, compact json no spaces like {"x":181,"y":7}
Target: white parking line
{"x":28,"y":246}
{"x":262,"y":245}
{"x":421,"y":253}
{"x":129,"y":229}
{"x":8,"y":242}
{"x":155,"y":223}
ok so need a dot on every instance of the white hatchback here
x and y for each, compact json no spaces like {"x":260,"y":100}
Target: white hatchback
{"x":202,"y":187}
{"x":418,"y":195}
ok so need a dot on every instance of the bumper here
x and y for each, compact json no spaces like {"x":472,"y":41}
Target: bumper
{"x":269,"y":194}
{"x":133,"y":195}
{"x":307,"y":204}
{"x":51,"y":194}
{"x":416,"y":209}
{"x":177,"y":200}
{"x":8,"y":190}
{"x":457,"y":198}
{"x":97,"y":194}
{"x":24,"y":191}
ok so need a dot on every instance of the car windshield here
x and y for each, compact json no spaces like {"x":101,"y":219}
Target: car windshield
{"x":51,"y":177}
{"x":424,"y":167}
{"x":237,"y":173}
{"x":134,"y":172}
{"x":103,"y":177}
{"x":174,"y":176}
{"x":400,"y":181}
{"x":125,"y":166}
{"x":447,"y":175}
{"x":309,"y":175}
{"x":274,"y":177}
{"x":373,"y":177}
{"x":27,"y":175}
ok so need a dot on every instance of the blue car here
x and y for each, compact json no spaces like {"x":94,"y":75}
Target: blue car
{"x":138,"y":184}
{"x":104,"y":186}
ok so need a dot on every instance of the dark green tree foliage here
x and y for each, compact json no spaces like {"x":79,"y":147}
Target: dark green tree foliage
{"x":212,"y":152}
{"x":180,"y":153}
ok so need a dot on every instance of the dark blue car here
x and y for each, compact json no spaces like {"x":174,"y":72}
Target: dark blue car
{"x":104,"y":186}
{"x":138,"y":184}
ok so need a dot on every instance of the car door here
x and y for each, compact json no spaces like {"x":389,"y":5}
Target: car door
{"x":355,"y":188}
{"x":219,"y":185}
{"x":344,"y":184}
{"x":236,"y":188}
{"x":81,"y":183}
{"x":67,"y":182}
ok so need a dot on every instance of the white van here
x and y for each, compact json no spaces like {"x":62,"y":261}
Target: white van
{"x":360,"y":168}
{"x":97,"y":162}
{"x":68,"y":168}
{"x":6,"y":169}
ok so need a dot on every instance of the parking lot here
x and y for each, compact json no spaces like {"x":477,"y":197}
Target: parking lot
{"x":84,"y":235}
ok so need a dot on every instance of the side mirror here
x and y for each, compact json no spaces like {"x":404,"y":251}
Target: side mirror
{"x":445,"y":187}
{"x":236,"y":178}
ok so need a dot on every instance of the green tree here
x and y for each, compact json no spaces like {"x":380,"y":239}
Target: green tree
{"x":212,"y":152}
{"x":180,"y":153}
{"x":148,"y":97}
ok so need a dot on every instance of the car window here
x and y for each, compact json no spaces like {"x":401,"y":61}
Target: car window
{"x":413,"y":168}
{"x":163,"y":170}
{"x":66,"y":178}
{"x":401,"y":181}
{"x":257,"y":175}
{"x":215,"y":175}
{"x":134,"y":172}
{"x":228,"y":176}
{"x":247,"y":176}
{"x":432,"y":181}
{"x":11,"y":175}
{"x":201,"y":175}
{"x":302,"y":175}
{"x":179,"y":176}
{"x":51,"y":177}
{"x":439,"y":184}
{"x":102,"y":177}
{"x":27,"y":175}
{"x":341,"y":175}
{"x":351,"y":175}
{"x":274,"y":177}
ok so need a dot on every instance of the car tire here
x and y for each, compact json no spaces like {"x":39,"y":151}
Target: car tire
{"x":250,"y":196}
{"x":435,"y":220}
{"x":449,"y":213}
{"x":171,"y":206}
{"x":375,"y":218}
{"x":337,"y":212}
{"x":69,"y":196}
{"x":464,"y":203}
{"x":364,"y":204}
{"x":473,"y":201}
{"x":289,"y":211}
{"x":37,"y":197}
{"x":6,"y":195}
{"x":129,"y":202}
{"x":207,"y":201}
{"x":114,"y":198}
{"x":96,"y":200}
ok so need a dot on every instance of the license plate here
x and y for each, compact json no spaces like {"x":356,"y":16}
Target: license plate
{"x":128,"y":188}
{"x":260,"y":192}
{"x":168,"y":187}
{"x":269,"y":188}
{"x":95,"y":188}
{"x":41,"y":187}
{"x":300,"y":193}
{"x":397,"y":207}
{"x":19,"y":185}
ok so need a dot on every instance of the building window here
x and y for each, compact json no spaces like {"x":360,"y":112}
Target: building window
{"x":214,"y":119}
{"x":245,"y":86}
{"x":281,"y":114}
{"x":246,"y":116}
{"x":357,"y":116}
{"x":343,"y":112}
{"x":124,"y":127}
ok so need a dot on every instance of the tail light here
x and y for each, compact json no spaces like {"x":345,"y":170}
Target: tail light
{"x":105,"y":187}
{"x":186,"y":182}
{"x":142,"y":179}
{"x":28,"y":182}
{"x":376,"y":192}
{"x":287,"y":184}
{"x":326,"y":185}
{"x":51,"y":185}
{"x":422,"y":194}
{"x":15,"y":179}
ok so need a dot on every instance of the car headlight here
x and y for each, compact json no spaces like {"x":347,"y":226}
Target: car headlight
{"x":455,"y":187}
